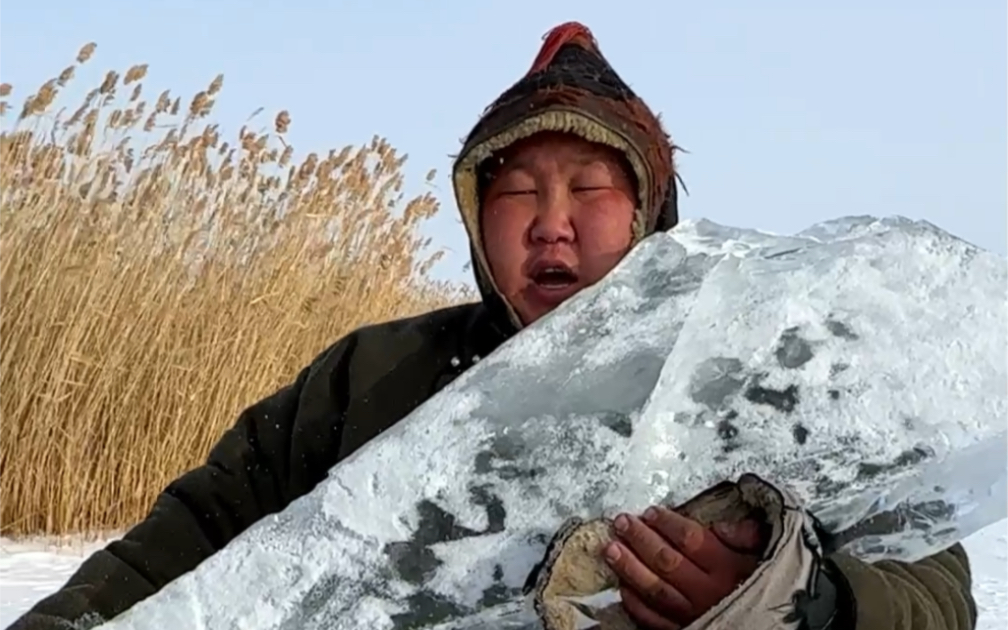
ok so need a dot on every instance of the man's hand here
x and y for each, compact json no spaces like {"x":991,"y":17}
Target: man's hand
{"x":672,"y":569}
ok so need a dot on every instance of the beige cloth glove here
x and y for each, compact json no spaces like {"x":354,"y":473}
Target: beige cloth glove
{"x":788,"y":590}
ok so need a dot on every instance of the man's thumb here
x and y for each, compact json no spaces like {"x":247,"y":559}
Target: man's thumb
{"x":742,"y":535}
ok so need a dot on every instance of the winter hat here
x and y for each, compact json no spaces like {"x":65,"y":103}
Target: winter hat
{"x":570,"y":88}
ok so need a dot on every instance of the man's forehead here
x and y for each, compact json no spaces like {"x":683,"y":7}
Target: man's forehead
{"x":569,"y":149}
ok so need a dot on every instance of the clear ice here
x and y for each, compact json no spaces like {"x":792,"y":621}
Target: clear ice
{"x":862,"y":362}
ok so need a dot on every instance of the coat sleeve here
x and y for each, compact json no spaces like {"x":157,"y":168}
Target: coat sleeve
{"x":247,"y":475}
{"x":932,"y":594}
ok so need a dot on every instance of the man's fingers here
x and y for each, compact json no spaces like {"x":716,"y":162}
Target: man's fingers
{"x":744,"y":536}
{"x":634,"y":574}
{"x":698,"y":544}
{"x":656,"y":554}
{"x":686,"y":534}
{"x":643,"y":614}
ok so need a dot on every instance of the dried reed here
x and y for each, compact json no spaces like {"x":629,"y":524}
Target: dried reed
{"x":155,"y":280}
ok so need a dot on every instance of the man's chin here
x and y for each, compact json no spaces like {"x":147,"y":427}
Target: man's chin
{"x":540,"y":301}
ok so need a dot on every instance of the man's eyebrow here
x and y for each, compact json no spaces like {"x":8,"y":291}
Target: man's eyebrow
{"x":514,"y":164}
{"x":582,"y":158}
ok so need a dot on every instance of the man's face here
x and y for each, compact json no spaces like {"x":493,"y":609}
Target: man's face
{"x":557,"y":217}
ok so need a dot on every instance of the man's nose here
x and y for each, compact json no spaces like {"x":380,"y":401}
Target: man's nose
{"x":553,"y":219}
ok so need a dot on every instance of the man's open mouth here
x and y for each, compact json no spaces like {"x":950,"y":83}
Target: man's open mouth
{"x":554,"y":277}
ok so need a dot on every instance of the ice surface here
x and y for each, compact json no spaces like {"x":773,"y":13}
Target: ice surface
{"x":862,"y":361}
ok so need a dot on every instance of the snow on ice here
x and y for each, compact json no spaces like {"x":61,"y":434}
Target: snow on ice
{"x":862,"y":361}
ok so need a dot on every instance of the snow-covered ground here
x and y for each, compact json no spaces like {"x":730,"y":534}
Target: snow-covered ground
{"x":988,"y":551}
{"x":31,"y":570}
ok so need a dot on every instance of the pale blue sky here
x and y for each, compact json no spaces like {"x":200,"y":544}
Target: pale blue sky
{"x":793,"y":111}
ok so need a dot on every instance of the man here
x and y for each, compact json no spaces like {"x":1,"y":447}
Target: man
{"x":561,"y":176}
